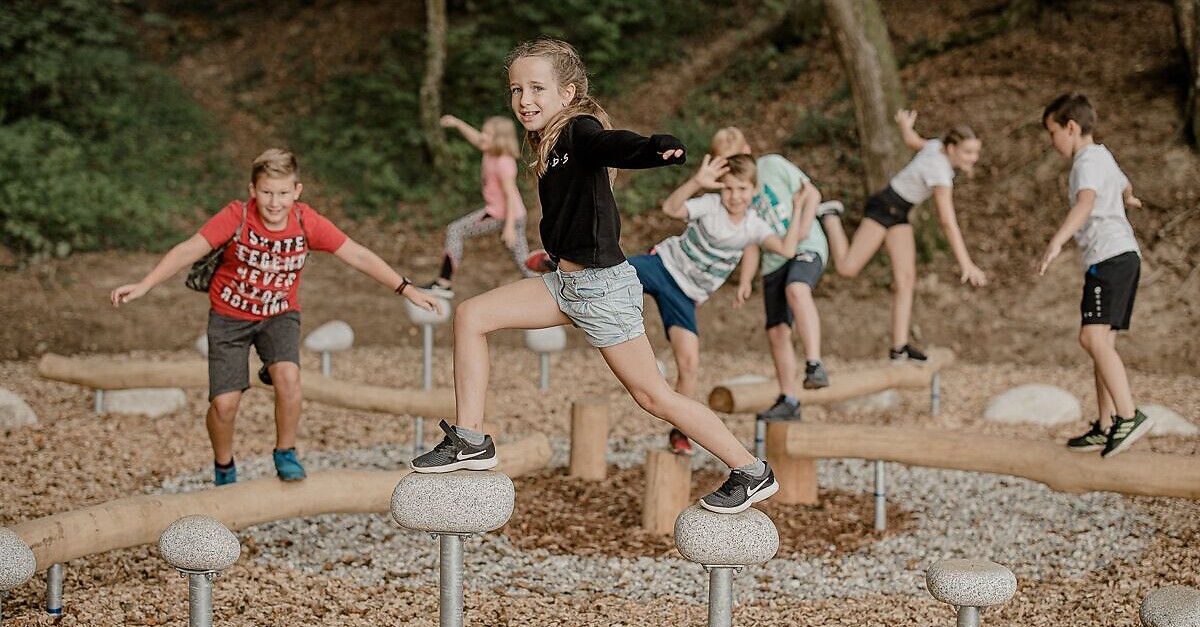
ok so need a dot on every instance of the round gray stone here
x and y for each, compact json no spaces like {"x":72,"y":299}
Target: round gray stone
{"x":886,"y":400}
{"x":726,"y":539}
{"x":463,"y":501}
{"x":199,"y":544}
{"x":1168,"y":421}
{"x":1172,"y":606}
{"x":420,"y":315}
{"x":16,"y":560}
{"x":331,"y":337}
{"x":14,"y":411}
{"x":152,"y":402}
{"x":201,"y":344}
{"x":1036,"y":403}
{"x":549,"y":340}
{"x":970,"y":582}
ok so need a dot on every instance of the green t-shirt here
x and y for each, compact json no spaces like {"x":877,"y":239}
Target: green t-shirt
{"x":779,"y":180}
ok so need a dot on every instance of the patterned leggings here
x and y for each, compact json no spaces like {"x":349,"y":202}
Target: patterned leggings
{"x":479,"y":223}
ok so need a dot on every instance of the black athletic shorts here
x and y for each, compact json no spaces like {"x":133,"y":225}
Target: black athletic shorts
{"x":887,"y":208}
{"x":805,"y":267}
{"x":1109,"y":289}
{"x":276,"y":339}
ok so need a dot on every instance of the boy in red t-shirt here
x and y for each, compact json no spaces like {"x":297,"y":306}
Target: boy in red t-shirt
{"x":254,"y":300}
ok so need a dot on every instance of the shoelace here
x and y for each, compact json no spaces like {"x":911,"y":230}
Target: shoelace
{"x":731,"y":483}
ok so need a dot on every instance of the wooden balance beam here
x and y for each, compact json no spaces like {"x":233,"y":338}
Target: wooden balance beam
{"x":138,"y":520}
{"x":1133,"y":472}
{"x":108,"y":374}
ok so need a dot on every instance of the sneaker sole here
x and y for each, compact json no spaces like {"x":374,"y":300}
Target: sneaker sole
{"x":1091,"y":448}
{"x":291,"y":479}
{"x":815,"y":386}
{"x":466,"y":464}
{"x":1133,"y":436}
{"x":759,"y":496}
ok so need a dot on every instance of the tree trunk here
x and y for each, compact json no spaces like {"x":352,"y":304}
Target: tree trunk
{"x":431,"y":92}
{"x":861,"y":36}
{"x":1187,"y":25}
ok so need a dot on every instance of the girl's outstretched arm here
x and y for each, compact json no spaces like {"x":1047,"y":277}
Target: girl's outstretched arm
{"x":707,"y":177}
{"x":184,"y":254}
{"x":362,"y":259}
{"x":906,"y":119}
{"x":944,"y":200}
{"x":469,"y":133}
{"x":624,"y":149}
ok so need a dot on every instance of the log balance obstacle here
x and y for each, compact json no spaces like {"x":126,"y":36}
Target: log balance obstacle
{"x":107,"y":374}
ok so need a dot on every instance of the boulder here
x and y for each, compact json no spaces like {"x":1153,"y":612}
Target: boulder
{"x":1035,"y":403}
{"x":152,"y":402}
{"x":14,"y":411}
{"x":331,"y":337}
{"x":869,"y":404}
{"x":1168,"y":422}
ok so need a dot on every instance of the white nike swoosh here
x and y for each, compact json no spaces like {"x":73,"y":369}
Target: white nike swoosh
{"x":758,"y":487}
{"x":462,"y":455}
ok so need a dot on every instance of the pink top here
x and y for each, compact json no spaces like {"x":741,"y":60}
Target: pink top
{"x":497,"y":168}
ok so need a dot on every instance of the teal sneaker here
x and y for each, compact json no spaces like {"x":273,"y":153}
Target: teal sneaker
{"x":223,"y":475}
{"x":287,"y":466}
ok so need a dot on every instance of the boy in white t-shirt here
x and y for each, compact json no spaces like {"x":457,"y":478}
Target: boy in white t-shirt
{"x":1099,"y":192}
{"x":682,"y":271}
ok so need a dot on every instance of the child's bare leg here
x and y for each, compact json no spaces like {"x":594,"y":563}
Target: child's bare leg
{"x":222,"y":412}
{"x":1100,"y":342}
{"x":850,"y":259}
{"x":285,"y":378}
{"x":779,"y":338}
{"x":686,"y":347}
{"x":526,"y":304}
{"x":633,"y":363}
{"x":808,"y":320}
{"x":902,"y":251}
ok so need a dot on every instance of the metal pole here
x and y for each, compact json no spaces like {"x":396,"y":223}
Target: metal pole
{"x":968,"y":616}
{"x":326,"y":363}
{"x":450,"y":612}
{"x":760,"y":438}
{"x":720,"y":596}
{"x":880,"y":498}
{"x":99,"y":402}
{"x":54,"y":589}
{"x":426,"y":383}
{"x":200,"y":612}
{"x":935,"y":394}
{"x":544,"y":383}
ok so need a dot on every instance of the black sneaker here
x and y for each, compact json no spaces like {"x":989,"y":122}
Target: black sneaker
{"x":906,"y":353}
{"x":1126,"y":431}
{"x":815,"y":377}
{"x":264,"y":375}
{"x":1093,"y":440}
{"x":830,"y":208}
{"x":740,"y":491}
{"x":455,"y":453}
{"x":781,"y":410}
{"x":433,"y":288}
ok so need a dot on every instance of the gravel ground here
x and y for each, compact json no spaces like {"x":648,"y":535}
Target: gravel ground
{"x":1080,"y":559}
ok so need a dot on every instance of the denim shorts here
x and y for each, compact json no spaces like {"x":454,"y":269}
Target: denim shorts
{"x":606,"y":303}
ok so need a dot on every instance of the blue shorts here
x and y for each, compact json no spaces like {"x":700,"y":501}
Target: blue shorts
{"x":676,"y":309}
{"x":606,"y":303}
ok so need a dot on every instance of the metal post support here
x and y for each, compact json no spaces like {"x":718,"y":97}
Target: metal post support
{"x":326,"y":363}
{"x":450,"y":611}
{"x":54,"y":589}
{"x":720,"y":595}
{"x":880,"y":498}
{"x":760,"y":438}
{"x":935,"y":394}
{"x":968,"y":616}
{"x":2,"y":595}
{"x":200,"y":613}
{"x":427,"y":374}
{"x":544,"y":382}
{"x":99,"y":402}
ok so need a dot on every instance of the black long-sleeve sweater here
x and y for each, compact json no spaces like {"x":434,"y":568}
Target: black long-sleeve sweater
{"x":580,"y":220}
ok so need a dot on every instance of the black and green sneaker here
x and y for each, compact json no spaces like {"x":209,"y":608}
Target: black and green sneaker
{"x":1093,"y":440}
{"x":1126,"y":431}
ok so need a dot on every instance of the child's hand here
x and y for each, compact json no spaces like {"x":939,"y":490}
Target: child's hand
{"x":509,"y":235}
{"x":742,"y":295}
{"x":667,"y":155}
{"x":1133,"y":201}
{"x":448,"y":121}
{"x":710,"y":172}
{"x":906,"y":118}
{"x":1052,"y":252}
{"x":423,"y":300}
{"x":974,"y":275}
{"x":126,"y":293}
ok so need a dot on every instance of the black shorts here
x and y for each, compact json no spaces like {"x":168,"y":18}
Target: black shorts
{"x":1109,"y":289}
{"x":276,"y":339}
{"x":805,"y":267}
{"x":887,"y":208}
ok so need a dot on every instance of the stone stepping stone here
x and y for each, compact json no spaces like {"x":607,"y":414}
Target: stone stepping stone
{"x":14,"y":411}
{"x":1168,"y":422}
{"x":152,"y":402}
{"x":1036,"y":403}
{"x":331,"y":337}
{"x":870,"y":404}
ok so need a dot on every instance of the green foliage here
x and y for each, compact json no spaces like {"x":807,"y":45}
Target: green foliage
{"x":98,"y":148}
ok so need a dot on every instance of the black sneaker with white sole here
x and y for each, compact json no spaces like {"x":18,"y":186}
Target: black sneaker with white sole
{"x":1093,"y":440}
{"x":455,"y":453}
{"x":815,"y":376}
{"x":906,"y":353}
{"x":433,"y":288}
{"x":1126,"y":431}
{"x":740,"y":491}
{"x":830,"y":208}
{"x":781,"y":410}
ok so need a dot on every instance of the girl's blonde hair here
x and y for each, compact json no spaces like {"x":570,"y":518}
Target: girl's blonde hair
{"x":568,"y":69}
{"x":504,"y":137}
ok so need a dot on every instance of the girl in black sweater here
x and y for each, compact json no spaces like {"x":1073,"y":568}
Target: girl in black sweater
{"x":594,"y":287}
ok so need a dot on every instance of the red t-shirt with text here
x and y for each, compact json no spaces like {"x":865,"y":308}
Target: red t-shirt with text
{"x":259,"y":275}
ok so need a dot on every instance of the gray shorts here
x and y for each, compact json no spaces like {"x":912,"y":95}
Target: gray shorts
{"x":605,"y":302}
{"x":276,"y":339}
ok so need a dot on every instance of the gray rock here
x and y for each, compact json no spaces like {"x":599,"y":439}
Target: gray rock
{"x":1172,"y":606}
{"x":1168,"y":422}
{"x":201,"y":344}
{"x":199,"y":544}
{"x":970,"y":582}
{"x":463,"y":501}
{"x":424,"y":316}
{"x":1035,"y":403}
{"x":16,"y":560}
{"x":14,"y":411}
{"x":871,"y":403}
{"x":727,"y":539}
{"x":152,"y":402}
{"x":549,"y":340}
{"x":330,"y":337}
